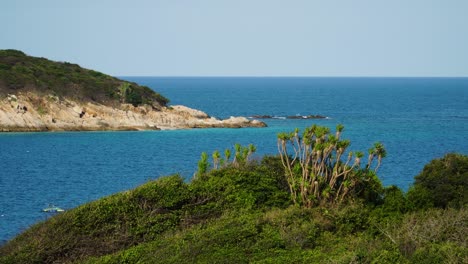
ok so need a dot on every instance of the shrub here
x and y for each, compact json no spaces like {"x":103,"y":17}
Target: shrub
{"x":351,"y":219}
{"x":394,"y":201}
{"x":442,"y":183}
{"x":425,"y":233}
{"x":249,"y":186}
{"x":440,"y":253}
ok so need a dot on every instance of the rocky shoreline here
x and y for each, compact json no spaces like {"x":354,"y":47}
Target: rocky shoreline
{"x":30,"y":112}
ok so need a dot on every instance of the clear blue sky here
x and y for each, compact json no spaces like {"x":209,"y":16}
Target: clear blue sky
{"x":244,"y":37}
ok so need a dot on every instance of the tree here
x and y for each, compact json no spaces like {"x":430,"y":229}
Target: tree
{"x":203,"y":164}
{"x":237,"y":154}
{"x":442,"y":183}
{"x":241,"y":158}
{"x":315,"y":171}
{"x":227,"y":155}
{"x":251,"y":149}
{"x":242,"y":154}
{"x":378,"y":151}
{"x":216,"y":159}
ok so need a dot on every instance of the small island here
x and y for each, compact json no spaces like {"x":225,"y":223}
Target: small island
{"x":37,"y":94}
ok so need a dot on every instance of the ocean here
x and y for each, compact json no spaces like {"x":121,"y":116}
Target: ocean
{"x":417,"y":119}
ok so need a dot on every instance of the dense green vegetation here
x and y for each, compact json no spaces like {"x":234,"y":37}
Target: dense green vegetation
{"x":236,"y":210}
{"x":19,"y":72}
{"x":442,"y":183}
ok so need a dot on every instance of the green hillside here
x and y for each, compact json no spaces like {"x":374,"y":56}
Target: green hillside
{"x":236,"y":210}
{"x":240,"y":215}
{"x":21,"y":73}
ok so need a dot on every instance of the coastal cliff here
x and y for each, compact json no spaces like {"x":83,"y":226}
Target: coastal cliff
{"x":37,"y":94}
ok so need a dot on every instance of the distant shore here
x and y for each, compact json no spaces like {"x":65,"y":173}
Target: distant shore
{"x":30,"y":112}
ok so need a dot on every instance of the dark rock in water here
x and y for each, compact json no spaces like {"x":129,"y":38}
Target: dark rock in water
{"x":289,"y":117}
{"x":307,"y":117}
{"x":262,"y":116}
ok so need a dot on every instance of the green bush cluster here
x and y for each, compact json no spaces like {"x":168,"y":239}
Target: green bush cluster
{"x":298,"y":235}
{"x":241,"y":157}
{"x":442,"y":183}
{"x":146,"y":214}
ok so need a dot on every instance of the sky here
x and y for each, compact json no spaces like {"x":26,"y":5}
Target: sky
{"x":244,"y":37}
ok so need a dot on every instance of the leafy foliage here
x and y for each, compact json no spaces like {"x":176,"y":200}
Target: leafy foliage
{"x":203,"y":164}
{"x":21,"y":72}
{"x":142,"y":215}
{"x":241,"y":158}
{"x":301,"y":235}
{"x":432,"y":236}
{"x":250,"y":186}
{"x":442,"y":183}
{"x":315,"y":173}
{"x":104,"y":226}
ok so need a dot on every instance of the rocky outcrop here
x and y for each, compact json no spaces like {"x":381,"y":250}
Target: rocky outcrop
{"x":32,"y":112}
{"x":307,"y":117}
{"x":290,"y":117}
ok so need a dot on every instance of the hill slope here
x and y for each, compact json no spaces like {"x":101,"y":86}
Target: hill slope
{"x":22,"y":73}
{"x":240,"y":215}
{"x":37,"y":94}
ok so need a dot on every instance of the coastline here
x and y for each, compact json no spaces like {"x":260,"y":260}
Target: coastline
{"x":33,"y":113}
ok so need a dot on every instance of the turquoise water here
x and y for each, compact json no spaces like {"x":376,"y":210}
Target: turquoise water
{"x":417,"y":119}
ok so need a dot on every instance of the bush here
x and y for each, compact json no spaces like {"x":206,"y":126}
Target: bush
{"x":394,"y":201}
{"x":426,"y":233}
{"x":440,"y":253}
{"x":442,"y":183}
{"x":351,"y":219}
{"x":249,"y":186}
{"x":104,"y":226}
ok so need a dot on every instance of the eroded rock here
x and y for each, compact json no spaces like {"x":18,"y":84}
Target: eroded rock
{"x":68,"y":115}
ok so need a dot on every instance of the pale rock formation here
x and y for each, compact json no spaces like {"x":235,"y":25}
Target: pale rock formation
{"x":31,"y":112}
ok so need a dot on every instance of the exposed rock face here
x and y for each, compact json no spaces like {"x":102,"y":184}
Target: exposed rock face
{"x":31,"y":112}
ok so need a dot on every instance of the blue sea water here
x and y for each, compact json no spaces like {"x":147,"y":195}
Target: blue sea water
{"x":417,"y":119}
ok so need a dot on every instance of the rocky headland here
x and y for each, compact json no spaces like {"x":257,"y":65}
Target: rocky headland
{"x":31,"y":112}
{"x":41,"y":95}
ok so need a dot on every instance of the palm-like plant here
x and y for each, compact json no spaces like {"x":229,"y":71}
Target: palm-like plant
{"x":251,"y":149}
{"x":314,"y":169}
{"x":203,"y":164}
{"x":227,"y":155}
{"x":216,"y":159}
{"x":237,"y":153}
{"x":380,"y":152}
